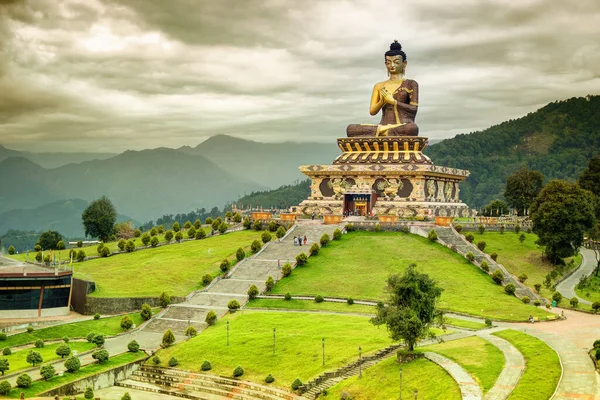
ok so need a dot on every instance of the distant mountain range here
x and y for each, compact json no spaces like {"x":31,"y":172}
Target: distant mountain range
{"x":53,"y":160}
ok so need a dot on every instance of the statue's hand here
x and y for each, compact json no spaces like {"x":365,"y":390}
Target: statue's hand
{"x":387,"y":96}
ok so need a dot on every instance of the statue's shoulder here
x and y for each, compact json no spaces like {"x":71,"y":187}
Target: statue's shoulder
{"x":379,"y":85}
{"x":411,"y":83}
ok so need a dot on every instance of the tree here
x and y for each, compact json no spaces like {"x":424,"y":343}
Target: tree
{"x":146,"y":312}
{"x":33,"y":357}
{"x":211,"y":318}
{"x":168,"y":338}
{"x":126,"y":396}
{"x":190,"y":331}
{"x":495,"y":208}
{"x":63,"y":350}
{"x":253,"y":292}
{"x":60,"y":245}
{"x":133,"y":346}
{"x":24,"y":381}
{"x":99,"y":219}
{"x":280,"y":232}
{"x":130,"y":246}
{"x":590,"y":177}
{"x":561,"y":215}
{"x":411,"y":306}
{"x":101,"y":356}
{"x":5,"y":387}
{"x":4,"y":365}
{"x":168,"y":236}
{"x":125,"y":230}
{"x":154,"y":241}
{"x":176,"y":227}
{"x":178,"y":236}
{"x":126,"y":323}
{"x":522,"y":187}
{"x":89,"y":393}
{"x":99,"y":340}
{"x":11,"y":250}
{"x":72,"y":364}
{"x":47,"y":371}
{"x":145,"y":239}
{"x":49,"y":240}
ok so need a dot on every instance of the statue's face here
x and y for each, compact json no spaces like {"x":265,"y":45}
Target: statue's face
{"x":394,"y":64}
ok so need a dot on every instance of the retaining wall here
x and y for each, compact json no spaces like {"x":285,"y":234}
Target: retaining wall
{"x":118,"y":305}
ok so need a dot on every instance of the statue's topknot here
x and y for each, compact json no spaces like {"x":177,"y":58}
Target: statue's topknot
{"x":396,"y":50}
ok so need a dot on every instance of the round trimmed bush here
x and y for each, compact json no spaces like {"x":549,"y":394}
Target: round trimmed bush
{"x":6,"y":351}
{"x":301,"y":259}
{"x":470,"y":257}
{"x":240,"y":254}
{"x":458,"y":228}
{"x":526,"y":300}
{"x":574,"y":302}
{"x":90,"y":337}
{"x":206,"y":366}
{"x":126,"y":323}
{"x":73,"y":364}
{"x":233,"y":306}
{"x":39,"y":344}
{"x":494,"y":256}
{"x":173,"y":362}
{"x":121,"y":244}
{"x":101,"y":356}
{"x":597,"y":344}
{"x":207,"y":279}
{"x":238,"y":371}
{"x":105,"y":252}
{"x":129,"y":246}
{"x":269,"y":283}
{"x":324,"y":240}
{"x":164,"y":299}
{"x":337,"y":234}
{"x":168,"y":338}
{"x":257,"y":225}
{"x":272,"y":227}
{"x":200,"y":234}
{"x":191,"y":233}
{"x":146,"y":312}
{"x":47,"y":371}
{"x":5,"y":387}
{"x":286,"y":270}
{"x":557,"y":297}
{"x":190,"y":331}
{"x":510,"y":289}
{"x":296,"y":384}
{"x":155,"y":360}
{"x":224,"y":266}
{"x":269,"y":379}
{"x":89,"y":393}
{"x":488,"y":321}
{"x":99,"y":340}
{"x":2,"y":336}
{"x":432,"y":236}
{"x":154,"y":241}
{"x":538,"y":287}
{"x":497,"y":276}
{"x":126,"y":396}
{"x":481,"y":245}
{"x":38,"y":256}
{"x":484,"y":266}
{"x":211,"y":318}
{"x":266,"y":237}
{"x":537,"y":303}
{"x":30,"y":329}
{"x":319,"y":298}
{"x":253,"y":292}
{"x":133,"y":346}
{"x":145,"y":239}
{"x":481,"y":229}
{"x":287,"y":296}
{"x":350,"y":301}
{"x":314,"y":249}
{"x":522,"y":278}
{"x":24,"y":381}
{"x":280,"y":232}
{"x":178,"y":236}
{"x":255,"y":246}
{"x":168,"y":235}
{"x":63,"y":350}
{"x":469,"y":236}
{"x":97,"y":316}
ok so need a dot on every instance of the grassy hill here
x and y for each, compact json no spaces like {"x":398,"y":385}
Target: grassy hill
{"x":282,"y":197}
{"x":558,"y":140}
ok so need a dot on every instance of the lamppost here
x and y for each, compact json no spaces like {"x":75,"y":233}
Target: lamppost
{"x":359,"y":362}
{"x":227,"y":333}
{"x":323,"y":344}
{"x":274,"y":335}
{"x":416,"y":394}
{"x":400,"y":383}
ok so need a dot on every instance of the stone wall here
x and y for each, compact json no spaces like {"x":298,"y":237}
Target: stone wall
{"x":105,"y":305}
{"x":98,"y":381}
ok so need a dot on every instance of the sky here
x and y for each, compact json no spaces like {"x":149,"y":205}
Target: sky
{"x":113,"y":75}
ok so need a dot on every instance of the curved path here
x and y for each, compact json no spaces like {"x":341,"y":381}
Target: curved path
{"x":514,"y":365}
{"x":588,"y":263}
{"x":469,"y":389}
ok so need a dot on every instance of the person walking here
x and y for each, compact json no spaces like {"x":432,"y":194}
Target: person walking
{"x":305,"y":240}
{"x":313,"y":216}
{"x":295,"y":243}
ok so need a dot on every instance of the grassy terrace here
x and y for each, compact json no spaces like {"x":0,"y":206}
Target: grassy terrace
{"x":308,"y":305}
{"x":38,"y":387}
{"x":591,"y":291}
{"x":382,"y":381}
{"x":357,"y":266}
{"x":543,"y":370}
{"x":106,"y":326}
{"x":461,"y":323}
{"x":175,"y":269}
{"x":18,"y":360}
{"x":519,"y":258}
{"x":482,"y":360}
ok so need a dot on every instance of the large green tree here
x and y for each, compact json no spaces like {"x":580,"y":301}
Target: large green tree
{"x":411,"y":306}
{"x":49,"y":240}
{"x":561,"y":214}
{"x":99,"y":218}
{"x":495,"y":208}
{"x":522,"y":187}
{"x":590,"y":177}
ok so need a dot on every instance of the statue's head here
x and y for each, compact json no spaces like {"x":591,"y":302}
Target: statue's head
{"x":395,"y":59}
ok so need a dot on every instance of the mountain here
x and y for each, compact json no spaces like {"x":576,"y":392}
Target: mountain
{"x":557,"y":140}
{"x":63,"y":216}
{"x":53,"y":160}
{"x":283,"y":197}
{"x":141,"y":184}
{"x":270,"y":164}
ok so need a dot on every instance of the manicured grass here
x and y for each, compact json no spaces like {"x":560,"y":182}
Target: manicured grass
{"x":310,"y":305}
{"x":42,"y":386}
{"x":18,"y":360}
{"x":382,"y":381}
{"x":298,"y":345}
{"x":590,"y":292}
{"x":543,"y":370}
{"x":176,"y":269}
{"x":104,"y":326}
{"x":481,"y":359}
{"x":358,"y":265}
{"x":461,"y":323}
{"x":519,"y":258}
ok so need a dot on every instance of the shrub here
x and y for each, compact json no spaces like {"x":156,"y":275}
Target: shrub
{"x":470,"y":257}
{"x":280,"y":232}
{"x":494,"y":256}
{"x":324,"y":240}
{"x":38,"y":256}
{"x":30,"y":329}
{"x":237,"y":218}
{"x":286,"y":270}
{"x":432,"y":236}
{"x":100,"y":247}
{"x":222,"y":228}
{"x":99,"y":340}
{"x":574,"y":302}
{"x":154,"y":241}
{"x":233,"y":306}
{"x":24,"y":381}
{"x":538,"y":287}
{"x":178,"y":236}
{"x":458,"y":228}
{"x":47,"y":371}
{"x":350,"y":301}
{"x":255,"y":246}
{"x":240,"y":254}
{"x":168,"y":338}
{"x":337,"y":234}
{"x":105,"y":252}
{"x":269,"y":283}
{"x":5,"y":387}
{"x":6,"y":351}
{"x":272,"y":227}
{"x":173,"y":362}
{"x":224,"y":266}
{"x":161,"y":229}
{"x":238,"y":371}
{"x":47,"y":256}
{"x":488,"y":321}
{"x":537,"y":303}
{"x":266,"y":237}
{"x":190,"y":331}
{"x":208,"y":221}
{"x":557,"y":297}
{"x":168,"y":235}
{"x":469,"y":236}
{"x":153,"y":232}
{"x":137,"y":233}
{"x":133,"y":346}
{"x":37,"y":247}
{"x":90,"y":337}
{"x":63,"y":350}
{"x":2,"y":336}
{"x":176,"y":227}
{"x":11,"y":250}
{"x":301,"y":259}
{"x":484,"y":266}
{"x":596,"y":344}
{"x":96,"y":316}
{"x":319,"y":298}
{"x":4,"y":365}
{"x":39,"y":344}
{"x":526,"y":300}
{"x":597,"y":354}
{"x":548,"y":306}
{"x":156,"y":360}
{"x":253,"y":292}
{"x":350,"y":228}
{"x":126,"y":323}
{"x":246,"y":223}
{"x":164,"y":300}
{"x":377,"y":227}
{"x":211,"y":318}
{"x":314,"y":249}
{"x":523,"y":277}
{"x":206,"y":366}
{"x":207,"y":279}
{"x":296,"y":384}
{"x":126,"y":396}
{"x":200,"y":234}
{"x":257,"y":225}
{"x":510,"y":289}
{"x":145,"y":239}
{"x":33,"y":357}
{"x":522,"y":238}
{"x":89,"y":393}
{"x":481,"y":245}
{"x":216,"y":223}
{"x":481,"y":229}
{"x":287,"y":296}
{"x":269,"y":379}
{"x":498,"y":277}
{"x":121,"y":244}
{"x":146,"y":312}
{"x":517,"y":228}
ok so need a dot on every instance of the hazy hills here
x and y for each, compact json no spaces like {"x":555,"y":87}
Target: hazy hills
{"x":53,"y":160}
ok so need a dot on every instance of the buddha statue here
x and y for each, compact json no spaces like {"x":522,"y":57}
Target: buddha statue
{"x":397,"y":97}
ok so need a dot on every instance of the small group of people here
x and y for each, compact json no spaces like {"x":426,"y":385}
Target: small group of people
{"x":531,"y":319}
{"x":299,"y":239}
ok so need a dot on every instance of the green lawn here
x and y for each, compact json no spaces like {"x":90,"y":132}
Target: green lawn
{"x":176,"y":269}
{"x":461,"y":323}
{"x":591,"y":290}
{"x":298,"y":345}
{"x":310,"y":305}
{"x":382,"y":382}
{"x":519,"y":258}
{"x":38,"y":387}
{"x":543,"y":370}
{"x":18,"y":359}
{"x":481,"y":359}
{"x":104,"y":326}
{"x":357,"y":266}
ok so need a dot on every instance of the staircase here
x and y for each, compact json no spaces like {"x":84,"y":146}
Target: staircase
{"x":200,"y":386}
{"x":314,"y":388}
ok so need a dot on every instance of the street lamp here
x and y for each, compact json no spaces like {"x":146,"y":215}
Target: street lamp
{"x":359,"y":362}
{"x":274,"y":335}
{"x":323,"y":344}
{"x":227,"y":333}
{"x":400,"y":383}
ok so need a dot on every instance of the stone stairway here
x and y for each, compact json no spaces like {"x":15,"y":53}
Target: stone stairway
{"x":449,"y":237}
{"x":200,"y":386}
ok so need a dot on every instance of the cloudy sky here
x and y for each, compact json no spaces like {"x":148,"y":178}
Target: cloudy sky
{"x":111,"y":75}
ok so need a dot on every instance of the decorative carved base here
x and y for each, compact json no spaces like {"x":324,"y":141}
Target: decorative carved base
{"x":382,"y":149}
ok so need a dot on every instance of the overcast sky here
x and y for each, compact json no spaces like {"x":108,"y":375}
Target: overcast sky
{"x":110,"y":75}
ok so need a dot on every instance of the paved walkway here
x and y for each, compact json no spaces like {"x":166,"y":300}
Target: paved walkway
{"x":567,"y":287}
{"x":514,"y":364}
{"x":469,"y":389}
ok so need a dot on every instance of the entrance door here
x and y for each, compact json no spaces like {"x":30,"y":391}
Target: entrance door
{"x":361,"y":208}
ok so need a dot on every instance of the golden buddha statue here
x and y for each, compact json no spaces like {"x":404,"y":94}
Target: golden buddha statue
{"x":397,"y":97}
